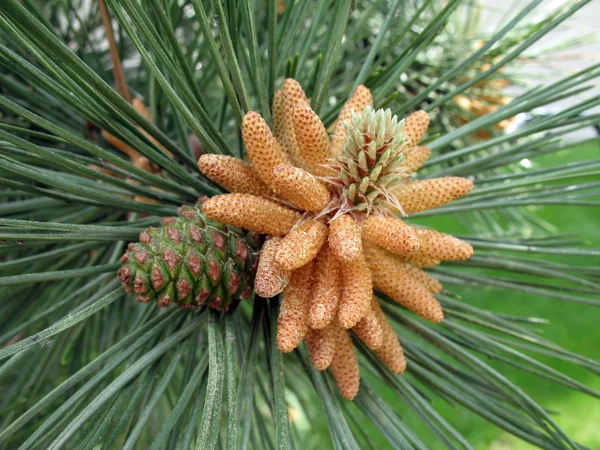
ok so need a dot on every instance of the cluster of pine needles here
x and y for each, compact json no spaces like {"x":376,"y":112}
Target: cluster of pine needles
{"x":106,"y":108}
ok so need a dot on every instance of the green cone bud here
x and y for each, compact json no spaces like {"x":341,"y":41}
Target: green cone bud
{"x":191,"y":261}
{"x":370,"y":163}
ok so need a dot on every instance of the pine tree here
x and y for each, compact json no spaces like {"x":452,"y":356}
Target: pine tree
{"x":105,"y":109}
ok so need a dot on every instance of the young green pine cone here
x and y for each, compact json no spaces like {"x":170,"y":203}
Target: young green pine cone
{"x":191,"y":261}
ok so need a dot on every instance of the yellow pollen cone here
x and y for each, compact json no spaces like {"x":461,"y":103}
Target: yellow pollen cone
{"x":312,"y":140}
{"x":263,"y":149}
{"x":344,"y":365}
{"x":357,"y":290}
{"x":421,"y":195}
{"x":270,"y":278}
{"x":391,"y":277}
{"x":390,"y":352}
{"x":293,"y":96}
{"x":369,"y":331}
{"x":420,"y":261}
{"x":390,"y":233}
{"x":415,"y":127}
{"x":422,"y":277}
{"x":300,"y":187}
{"x":442,"y":246}
{"x":321,"y":346}
{"x":326,"y":289}
{"x":415,"y":158}
{"x":345,"y":238}
{"x":292,"y":323}
{"x":251,"y":213}
{"x":301,"y":245}
{"x":233,"y":174}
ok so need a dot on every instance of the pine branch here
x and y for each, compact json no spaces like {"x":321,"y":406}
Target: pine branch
{"x":101,"y":370}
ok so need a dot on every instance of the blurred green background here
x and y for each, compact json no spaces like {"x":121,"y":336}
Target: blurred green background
{"x":575,"y":327}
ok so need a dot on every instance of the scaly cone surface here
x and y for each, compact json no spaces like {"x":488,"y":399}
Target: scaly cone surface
{"x":191,"y":261}
{"x":330,"y":209}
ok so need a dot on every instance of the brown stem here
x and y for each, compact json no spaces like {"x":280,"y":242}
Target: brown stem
{"x":120,"y":81}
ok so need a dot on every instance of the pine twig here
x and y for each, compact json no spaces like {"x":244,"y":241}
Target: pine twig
{"x":120,"y":81}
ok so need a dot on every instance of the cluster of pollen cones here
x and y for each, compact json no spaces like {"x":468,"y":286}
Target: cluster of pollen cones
{"x":328,"y":203}
{"x":485,"y":97}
